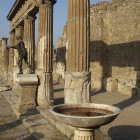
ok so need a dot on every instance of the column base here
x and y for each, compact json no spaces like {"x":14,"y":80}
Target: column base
{"x":45,"y":90}
{"x":77,"y":87}
{"x":27,"y":92}
{"x":84,"y":134}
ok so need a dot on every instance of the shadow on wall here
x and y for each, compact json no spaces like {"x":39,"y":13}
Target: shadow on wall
{"x":124,"y":132}
{"x":123,"y":59}
{"x":61,"y":55}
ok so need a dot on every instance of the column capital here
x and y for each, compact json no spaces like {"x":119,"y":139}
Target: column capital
{"x":28,"y":17}
{"x":47,"y":2}
{"x":4,"y":39}
{"x":18,"y":26}
{"x":12,"y":32}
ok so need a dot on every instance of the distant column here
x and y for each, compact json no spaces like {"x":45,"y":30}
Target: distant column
{"x":77,"y":79}
{"x":18,"y":32}
{"x":45,"y":52}
{"x":0,"y":52}
{"x":29,"y":38}
{"x":5,"y":59}
{"x":11,"y":57}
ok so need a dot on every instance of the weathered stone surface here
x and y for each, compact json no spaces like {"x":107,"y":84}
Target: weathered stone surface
{"x":78,"y":40}
{"x":114,"y":47}
{"x":5,"y":59}
{"x":29,"y":39}
{"x":77,"y":87}
{"x":45,"y":89}
{"x":111,"y":84}
{"x":27,"y":89}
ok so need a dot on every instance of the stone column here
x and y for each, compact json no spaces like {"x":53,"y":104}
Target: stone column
{"x":45,"y":53}
{"x":11,"y":56}
{"x":0,"y":57}
{"x":5,"y":58}
{"x":29,"y":38}
{"x":18,"y":32}
{"x":77,"y":79}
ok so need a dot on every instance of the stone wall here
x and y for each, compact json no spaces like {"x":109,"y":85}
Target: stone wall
{"x":115,"y":45}
{"x":61,"y":54}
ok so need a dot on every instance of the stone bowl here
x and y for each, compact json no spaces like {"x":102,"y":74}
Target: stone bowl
{"x":62,"y":113}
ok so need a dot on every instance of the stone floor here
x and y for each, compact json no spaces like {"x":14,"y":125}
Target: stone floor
{"x":127,"y":124}
{"x":11,"y":128}
{"x":125,"y":127}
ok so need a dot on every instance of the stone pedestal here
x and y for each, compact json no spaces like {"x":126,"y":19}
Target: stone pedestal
{"x":27,"y":91}
{"x":77,"y":87}
{"x":84,"y":134}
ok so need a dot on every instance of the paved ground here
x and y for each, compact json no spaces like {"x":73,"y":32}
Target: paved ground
{"x":11,"y":128}
{"x":125,"y":127}
{"x":127,"y":124}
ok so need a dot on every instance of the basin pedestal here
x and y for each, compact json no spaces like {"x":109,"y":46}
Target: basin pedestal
{"x":27,"y":92}
{"x":84,"y":134}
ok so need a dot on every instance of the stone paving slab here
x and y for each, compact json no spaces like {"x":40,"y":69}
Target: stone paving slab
{"x":40,"y":128}
{"x":125,"y":127}
{"x":11,"y":128}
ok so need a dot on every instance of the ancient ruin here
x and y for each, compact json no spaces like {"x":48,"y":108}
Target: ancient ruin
{"x":96,"y":61}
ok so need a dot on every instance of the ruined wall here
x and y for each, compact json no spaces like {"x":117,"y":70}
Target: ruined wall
{"x":61,"y":54}
{"x":115,"y":43}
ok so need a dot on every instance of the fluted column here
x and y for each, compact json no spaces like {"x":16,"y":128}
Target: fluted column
{"x":11,"y":57}
{"x":77,"y":79}
{"x":18,"y":32}
{"x":5,"y":58}
{"x":0,"y":57}
{"x":29,"y":38}
{"x":45,"y":52}
{"x":0,"y":51}
{"x":11,"y":51}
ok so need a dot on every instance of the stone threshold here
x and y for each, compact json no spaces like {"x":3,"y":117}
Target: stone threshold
{"x":39,"y":126}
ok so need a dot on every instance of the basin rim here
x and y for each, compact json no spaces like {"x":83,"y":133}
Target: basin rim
{"x":117,"y":110}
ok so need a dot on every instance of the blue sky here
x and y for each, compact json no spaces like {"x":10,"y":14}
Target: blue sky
{"x":60,"y":17}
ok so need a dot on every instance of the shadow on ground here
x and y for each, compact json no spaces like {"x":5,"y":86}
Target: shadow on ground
{"x":34,"y":136}
{"x":128,"y":102}
{"x":10,"y":125}
{"x":124,"y":132}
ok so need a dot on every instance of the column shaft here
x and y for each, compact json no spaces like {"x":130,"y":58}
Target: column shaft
{"x":77,"y":78}
{"x":78,"y":35}
{"x":29,"y":38}
{"x":45,"y":53}
{"x":11,"y":51}
{"x":18,"y":32}
{"x":45,"y":37}
{"x":5,"y":58}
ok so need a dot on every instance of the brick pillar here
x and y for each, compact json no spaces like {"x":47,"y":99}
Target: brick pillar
{"x":5,"y":58}
{"x":77,"y":80}
{"x":45,"y":52}
{"x":29,"y":38}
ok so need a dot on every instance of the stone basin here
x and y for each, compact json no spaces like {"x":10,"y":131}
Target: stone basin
{"x":85,"y":115}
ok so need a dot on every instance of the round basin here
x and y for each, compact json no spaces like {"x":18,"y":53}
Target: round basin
{"x":85,"y":115}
